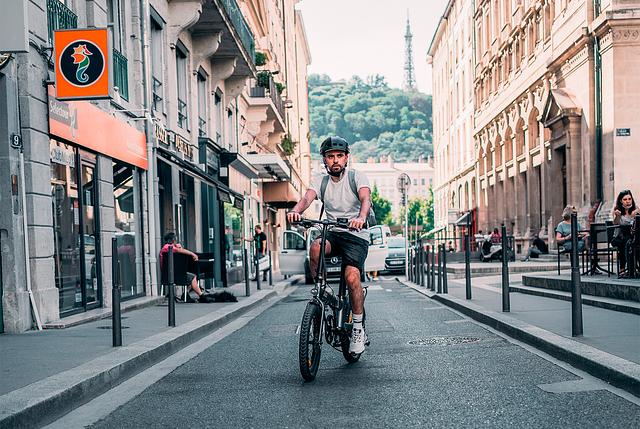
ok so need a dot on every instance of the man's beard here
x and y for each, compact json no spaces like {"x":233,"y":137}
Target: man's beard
{"x":336,"y":173}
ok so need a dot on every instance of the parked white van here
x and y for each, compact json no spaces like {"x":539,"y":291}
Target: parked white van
{"x":294,"y":253}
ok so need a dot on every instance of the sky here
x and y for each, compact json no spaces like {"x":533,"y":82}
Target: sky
{"x":366,"y":37}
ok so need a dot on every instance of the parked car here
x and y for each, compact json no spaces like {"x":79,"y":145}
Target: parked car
{"x":294,"y":253}
{"x":396,"y":257}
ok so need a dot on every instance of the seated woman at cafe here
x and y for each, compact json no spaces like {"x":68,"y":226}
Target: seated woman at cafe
{"x":563,"y":231}
{"x":623,"y":214}
{"x":170,"y":240}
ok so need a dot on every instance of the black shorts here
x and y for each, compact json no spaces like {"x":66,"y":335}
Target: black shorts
{"x":352,"y":249}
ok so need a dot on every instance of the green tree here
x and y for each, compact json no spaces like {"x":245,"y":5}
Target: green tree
{"x":382,"y":207}
{"x":375,"y":119}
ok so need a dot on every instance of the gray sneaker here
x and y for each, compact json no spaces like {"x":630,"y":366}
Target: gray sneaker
{"x":358,"y":340}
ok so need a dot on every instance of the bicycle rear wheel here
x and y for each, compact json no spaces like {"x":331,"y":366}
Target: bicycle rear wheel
{"x":309,"y":347}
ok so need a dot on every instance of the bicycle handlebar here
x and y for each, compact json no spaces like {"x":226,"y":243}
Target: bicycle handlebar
{"x":308,"y":223}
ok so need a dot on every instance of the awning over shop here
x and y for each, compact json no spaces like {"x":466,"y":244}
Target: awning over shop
{"x":239,"y":163}
{"x":270,"y":166}
{"x":436,"y":230}
{"x":462,"y":220}
{"x":280,"y":194}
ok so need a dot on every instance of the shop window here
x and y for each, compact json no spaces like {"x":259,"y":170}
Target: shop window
{"x":126,"y":195}
{"x":233,"y":243}
{"x":75,"y":228}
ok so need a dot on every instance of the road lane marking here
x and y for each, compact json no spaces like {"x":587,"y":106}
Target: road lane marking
{"x":105,"y":404}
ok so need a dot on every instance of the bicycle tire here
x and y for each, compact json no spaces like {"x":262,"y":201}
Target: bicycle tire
{"x":309,"y":347}
{"x":349,"y":357}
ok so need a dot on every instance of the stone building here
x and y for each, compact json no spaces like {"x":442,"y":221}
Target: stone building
{"x":554,"y":84}
{"x":383,"y":174}
{"x":451,"y":57}
{"x":168,"y":152}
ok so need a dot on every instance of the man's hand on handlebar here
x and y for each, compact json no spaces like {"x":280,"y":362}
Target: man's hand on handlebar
{"x":294,"y":217}
{"x":357,"y":223}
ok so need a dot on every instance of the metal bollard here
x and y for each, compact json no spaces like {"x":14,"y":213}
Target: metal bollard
{"x":410,"y":271}
{"x":445,"y":283}
{"x":247,"y":274}
{"x":422,"y":264}
{"x":270,"y":270}
{"x":506,"y":303}
{"x":172,"y":289}
{"x":258,"y":273}
{"x":439,"y":268}
{"x":428,"y":273}
{"x":576,"y":292}
{"x":467,"y":262}
{"x":116,"y":316}
{"x":433,"y":267}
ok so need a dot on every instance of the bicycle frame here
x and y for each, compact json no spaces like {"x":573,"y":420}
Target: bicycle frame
{"x":319,"y":293}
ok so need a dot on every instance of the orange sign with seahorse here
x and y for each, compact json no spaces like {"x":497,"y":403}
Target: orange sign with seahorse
{"x":82,"y":63}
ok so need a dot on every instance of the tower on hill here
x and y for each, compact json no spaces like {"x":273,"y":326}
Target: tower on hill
{"x":409,"y":72}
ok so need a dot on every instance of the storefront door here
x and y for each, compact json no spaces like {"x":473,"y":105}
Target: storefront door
{"x":90,"y":240}
{"x":76,"y":238}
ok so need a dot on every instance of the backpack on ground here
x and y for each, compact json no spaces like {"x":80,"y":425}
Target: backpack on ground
{"x":371,"y":217}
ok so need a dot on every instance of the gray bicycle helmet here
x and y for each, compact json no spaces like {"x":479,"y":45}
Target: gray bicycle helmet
{"x":334,"y":143}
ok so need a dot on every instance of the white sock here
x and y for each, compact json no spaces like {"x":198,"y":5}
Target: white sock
{"x":357,"y":321}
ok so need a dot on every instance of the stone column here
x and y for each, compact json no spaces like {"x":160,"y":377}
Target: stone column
{"x":574,"y":162}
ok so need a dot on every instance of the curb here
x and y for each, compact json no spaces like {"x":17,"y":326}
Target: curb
{"x":46,"y":400}
{"x":606,"y":303}
{"x":612,"y":369}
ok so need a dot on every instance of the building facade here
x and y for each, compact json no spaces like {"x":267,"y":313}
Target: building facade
{"x":554,"y":116}
{"x":451,"y":57}
{"x":383,"y":175}
{"x":168,"y":152}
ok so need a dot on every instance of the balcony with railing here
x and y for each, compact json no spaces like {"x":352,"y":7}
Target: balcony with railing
{"x":267,"y":88}
{"x":241,"y":27}
{"x":121,"y":74}
{"x":59,"y":17}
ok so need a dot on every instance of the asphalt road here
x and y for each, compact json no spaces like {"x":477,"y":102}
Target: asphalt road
{"x":251,"y":378}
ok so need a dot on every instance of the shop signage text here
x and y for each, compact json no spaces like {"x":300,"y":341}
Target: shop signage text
{"x":623,"y":132}
{"x":84,"y":124}
{"x":171,"y":139}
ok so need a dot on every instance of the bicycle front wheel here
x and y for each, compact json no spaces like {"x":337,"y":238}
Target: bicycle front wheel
{"x":310,"y":341}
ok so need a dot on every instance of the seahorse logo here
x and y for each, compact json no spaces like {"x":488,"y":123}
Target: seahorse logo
{"x":81,"y":58}
{"x":82,"y":63}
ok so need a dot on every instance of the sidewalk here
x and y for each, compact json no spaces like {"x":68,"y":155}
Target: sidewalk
{"x":62,"y":368}
{"x":609,"y":348}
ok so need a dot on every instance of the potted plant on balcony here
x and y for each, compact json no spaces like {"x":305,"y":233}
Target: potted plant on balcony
{"x":263,"y":78}
{"x":260,"y":59}
{"x":288,"y":145}
{"x":280,"y":87}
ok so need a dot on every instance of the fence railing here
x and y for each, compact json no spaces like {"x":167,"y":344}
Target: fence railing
{"x":121,"y":73}
{"x":246,"y":36}
{"x":59,"y":17}
{"x":272,"y":92}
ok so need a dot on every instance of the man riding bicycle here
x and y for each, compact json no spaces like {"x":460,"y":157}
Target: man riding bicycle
{"x":352,"y":243}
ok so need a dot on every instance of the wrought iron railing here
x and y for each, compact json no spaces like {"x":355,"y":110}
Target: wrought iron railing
{"x":202,"y":127}
{"x":246,"y":36}
{"x":157,"y":95}
{"x":272,"y":92}
{"x":121,"y":74}
{"x":182,"y":114}
{"x":59,"y":17}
